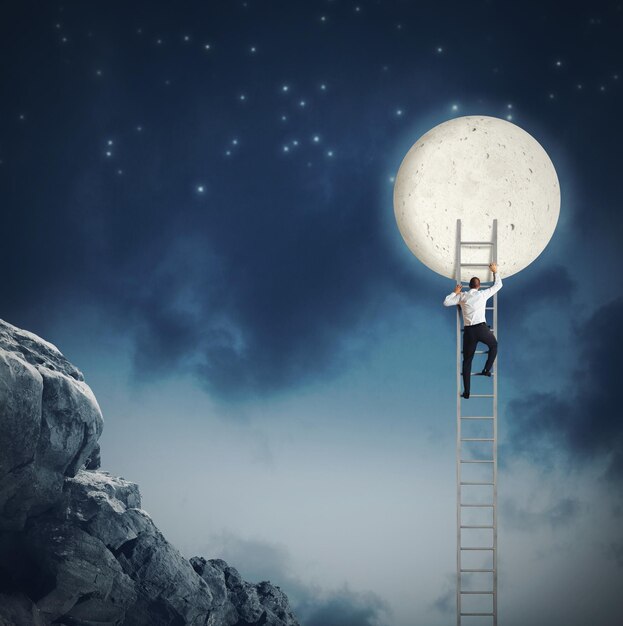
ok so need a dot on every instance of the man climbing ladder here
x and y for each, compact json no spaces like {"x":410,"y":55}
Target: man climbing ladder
{"x":475,"y":329}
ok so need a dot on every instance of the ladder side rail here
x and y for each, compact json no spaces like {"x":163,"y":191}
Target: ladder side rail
{"x":458,"y":429}
{"x":495,"y":440}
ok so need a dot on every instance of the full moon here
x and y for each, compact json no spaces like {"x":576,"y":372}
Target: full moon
{"x":477,"y":169}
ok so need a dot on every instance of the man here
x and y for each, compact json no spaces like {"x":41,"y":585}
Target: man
{"x":475,"y":327}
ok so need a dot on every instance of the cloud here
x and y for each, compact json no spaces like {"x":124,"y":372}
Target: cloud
{"x":445,"y":602}
{"x":616,"y":552}
{"x":343,"y":607}
{"x":583,"y":421}
{"x":252,"y":288}
{"x":550,"y":286}
{"x":556,"y":515}
{"x":314,"y":606}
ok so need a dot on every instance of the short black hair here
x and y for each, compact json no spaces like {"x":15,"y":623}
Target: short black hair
{"x":474,"y":282}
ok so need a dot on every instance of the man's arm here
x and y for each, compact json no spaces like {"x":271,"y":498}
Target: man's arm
{"x":497,"y":285}
{"x":454,"y":297}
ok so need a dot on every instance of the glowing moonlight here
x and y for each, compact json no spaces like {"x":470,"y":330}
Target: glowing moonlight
{"x":476,"y":168}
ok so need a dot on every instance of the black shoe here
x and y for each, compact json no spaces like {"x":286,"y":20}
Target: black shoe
{"x":465,"y":395}
{"x":485,"y":373}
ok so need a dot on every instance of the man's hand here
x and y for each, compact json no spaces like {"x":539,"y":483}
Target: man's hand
{"x":457,"y":289}
{"x":493,"y":267}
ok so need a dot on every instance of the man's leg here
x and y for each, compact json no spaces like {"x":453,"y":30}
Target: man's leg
{"x":487,"y":337}
{"x":469,"y":347}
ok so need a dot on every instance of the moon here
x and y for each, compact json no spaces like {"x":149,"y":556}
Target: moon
{"x":476,"y":168}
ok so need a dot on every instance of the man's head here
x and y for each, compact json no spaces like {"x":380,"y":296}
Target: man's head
{"x":474,"y":283}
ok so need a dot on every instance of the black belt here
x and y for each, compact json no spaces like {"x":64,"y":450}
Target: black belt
{"x":474,"y":325}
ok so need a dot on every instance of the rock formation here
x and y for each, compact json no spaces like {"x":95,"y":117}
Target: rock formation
{"x":75,"y":546}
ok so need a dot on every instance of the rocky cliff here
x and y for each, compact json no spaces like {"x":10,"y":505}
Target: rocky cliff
{"x":76,"y":547}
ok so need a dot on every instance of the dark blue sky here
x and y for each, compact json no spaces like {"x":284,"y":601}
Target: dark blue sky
{"x":197,"y":197}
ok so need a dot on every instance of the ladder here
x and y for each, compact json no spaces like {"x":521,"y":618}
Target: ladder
{"x":480,"y":599}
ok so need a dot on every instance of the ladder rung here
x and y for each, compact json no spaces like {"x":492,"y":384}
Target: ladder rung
{"x":475,"y":264}
{"x":476,"y":460}
{"x":476,"y":243}
{"x":479,"y":352}
{"x":477,"y":439}
{"x":474,"y":526}
{"x":479,"y":374}
{"x":479,"y":614}
{"x":479,"y":505}
{"x":473,"y":417}
{"x":477,"y":570}
{"x":478,"y":592}
{"x":491,"y":329}
{"x":481,"y":395}
{"x":473,"y":482}
{"x":489,"y":308}
{"x":488,"y":548}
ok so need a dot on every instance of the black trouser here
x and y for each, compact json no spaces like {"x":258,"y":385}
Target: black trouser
{"x":471,"y":336}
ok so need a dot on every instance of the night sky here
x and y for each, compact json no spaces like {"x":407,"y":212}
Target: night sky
{"x":197,"y":210}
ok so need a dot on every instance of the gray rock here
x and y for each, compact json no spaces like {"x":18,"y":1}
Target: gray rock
{"x":76,"y":548}
{"x":240,"y":603}
{"x":107,"y":507}
{"x":49,"y":424}
{"x":19,"y":610}
{"x":77,"y":576}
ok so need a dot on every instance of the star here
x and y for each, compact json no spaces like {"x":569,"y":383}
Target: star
{"x":286,"y":148}
{"x":109,"y":142}
{"x":200,"y":189}
{"x":323,"y":87}
{"x":22,"y":116}
{"x":551,"y":96}
{"x":357,"y":9}
{"x":323,"y":18}
{"x":108,"y":153}
{"x":159,"y":41}
{"x":235,"y":142}
{"x":455,"y":107}
{"x":283,"y":118}
{"x":207,"y":46}
{"x":391,"y":179}
{"x":509,"y":117}
{"x":242,"y":97}
{"x":302,"y":103}
{"x":295,"y":142}
{"x":399,"y":112}
{"x":602,"y":88}
{"x":119,"y":172}
{"x":316,"y":139}
{"x":578,"y":86}
{"x":186,"y":38}
{"x":98,"y":72}
{"x":285,"y":88}
{"x":509,"y":106}
{"x":439,"y":49}
{"x":558,"y":63}
{"x":139,"y":128}
{"x":253,"y":49}
{"x":228,"y":152}
{"x":330,"y":153}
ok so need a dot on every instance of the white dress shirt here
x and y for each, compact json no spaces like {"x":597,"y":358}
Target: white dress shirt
{"x":473,"y":302}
